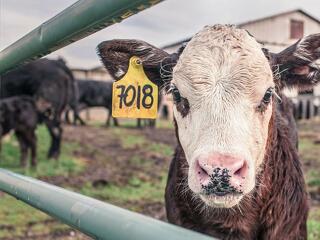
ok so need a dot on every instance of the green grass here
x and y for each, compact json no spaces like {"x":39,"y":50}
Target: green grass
{"x":140,"y":190}
{"x":310,"y":153}
{"x":129,"y":195}
{"x":314,"y":224}
{"x":19,"y":217}
{"x":127,"y":139}
{"x":67,"y":164}
{"x":135,"y":190}
{"x":161,"y":148}
{"x":313,"y":230}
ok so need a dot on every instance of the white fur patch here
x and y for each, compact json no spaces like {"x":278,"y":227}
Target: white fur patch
{"x":224,"y":74}
{"x":119,"y":73}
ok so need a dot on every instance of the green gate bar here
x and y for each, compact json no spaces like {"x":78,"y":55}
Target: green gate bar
{"x":94,"y":218}
{"x":77,"y":21}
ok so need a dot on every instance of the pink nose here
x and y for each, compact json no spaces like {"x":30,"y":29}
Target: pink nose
{"x":236,"y":168}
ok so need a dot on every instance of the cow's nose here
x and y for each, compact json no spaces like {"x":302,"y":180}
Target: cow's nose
{"x":221,"y":170}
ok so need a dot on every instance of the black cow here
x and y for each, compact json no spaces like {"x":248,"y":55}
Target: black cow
{"x":19,"y":114}
{"x":50,"y":83}
{"x":93,"y":93}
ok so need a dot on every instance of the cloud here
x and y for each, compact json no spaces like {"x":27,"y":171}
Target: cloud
{"x":167,"y":22}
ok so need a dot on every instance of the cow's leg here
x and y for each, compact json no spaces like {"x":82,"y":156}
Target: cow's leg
{"x":152,"y":123}
{"x":23,"y":149}
{"x":0,"y":139}
{"x":32,"y":139}
{"x":115,"y":121}
{"x":139,"y":123}
{"x":66,"y":116}
{"x":108,"y":118}
{"x":0,"y":146}
{"x":76,"y":111}
{"x":55,"y":131}
{"x":76,"y":117}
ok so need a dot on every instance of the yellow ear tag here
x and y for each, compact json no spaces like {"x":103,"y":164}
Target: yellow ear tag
{"x":134,"y":95}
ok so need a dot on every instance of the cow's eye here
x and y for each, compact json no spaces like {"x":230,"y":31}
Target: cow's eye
{"x":268,"y":95}
{"x":176,"y":95}
{"x":265,"y":100}
{"x":181,"y":103}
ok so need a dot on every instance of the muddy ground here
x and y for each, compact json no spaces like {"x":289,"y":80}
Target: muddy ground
{"x":113,"y":157}
{"x":97,"y":145}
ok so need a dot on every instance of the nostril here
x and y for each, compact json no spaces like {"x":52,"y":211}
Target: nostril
{"x":202,"y":171}
{"x":242,"y":170}
{"x":202,"y":174}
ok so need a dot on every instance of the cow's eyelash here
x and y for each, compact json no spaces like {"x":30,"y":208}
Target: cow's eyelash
{"x":268,"y":95}
{"x":182,"y":104}
{"x":267,"y":99}
{"x":175,"y":93}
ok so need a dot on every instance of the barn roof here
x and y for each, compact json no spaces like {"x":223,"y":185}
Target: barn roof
{"x":255,"y":21}
{"x":280,"y":15}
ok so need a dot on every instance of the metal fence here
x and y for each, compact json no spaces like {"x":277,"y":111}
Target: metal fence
{"x":306,"y":106}
{"x":81,"y":19}
{"x":92,"y":217}
{"x":96,"y":219}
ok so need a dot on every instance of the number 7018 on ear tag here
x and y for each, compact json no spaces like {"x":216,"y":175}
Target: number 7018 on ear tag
{"x":134,"y":95}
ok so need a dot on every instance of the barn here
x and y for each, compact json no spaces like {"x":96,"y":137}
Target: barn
{"x":275,"y":32}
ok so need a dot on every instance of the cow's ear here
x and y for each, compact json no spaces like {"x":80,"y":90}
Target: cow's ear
{"x":299,"y":64}
{"x":115,"y":55}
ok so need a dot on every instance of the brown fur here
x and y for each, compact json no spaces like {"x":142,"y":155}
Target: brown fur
{"x":277,"y":207}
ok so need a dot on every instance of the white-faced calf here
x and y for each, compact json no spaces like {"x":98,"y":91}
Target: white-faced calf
{"x":236,"y":172}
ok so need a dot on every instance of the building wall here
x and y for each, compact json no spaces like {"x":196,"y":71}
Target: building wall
{"x":98,"y":73}
{"x":276,"y":31}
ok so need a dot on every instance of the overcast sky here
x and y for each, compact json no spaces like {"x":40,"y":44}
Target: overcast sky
{"x":165,"y":23}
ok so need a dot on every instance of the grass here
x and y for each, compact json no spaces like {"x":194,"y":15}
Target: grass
{"x":314,"y":224}
{"x":135,"y":191}
{"x":161,"y":148}
{"x":313,"y":230}
{"x":19,"y":217}
{"x":66,"y":165}
{"x":310,"y":153}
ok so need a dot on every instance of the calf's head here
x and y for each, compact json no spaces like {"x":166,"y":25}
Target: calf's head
{"x":224,"y":87}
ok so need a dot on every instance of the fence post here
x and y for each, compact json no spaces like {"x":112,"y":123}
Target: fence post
{"x":77,"y":21}
{"x":94,"y":218}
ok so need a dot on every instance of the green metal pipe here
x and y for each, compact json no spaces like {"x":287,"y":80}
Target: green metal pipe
{"x":94,"y":218}
{"x":77,"y":21}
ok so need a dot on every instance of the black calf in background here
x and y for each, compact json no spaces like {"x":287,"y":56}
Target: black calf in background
{"x":20,"y":114}
{"x":93,"y":93}
{"x":50,"y":83}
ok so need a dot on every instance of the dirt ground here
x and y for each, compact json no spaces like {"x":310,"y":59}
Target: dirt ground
{"x":99,"y":144}
{"x":107,"y":162}
{"x":115,"y":156}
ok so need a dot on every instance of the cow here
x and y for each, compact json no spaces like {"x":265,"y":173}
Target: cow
{"x":73,"y":105}
{"x":50,"y":83}
{"x":236,"y":173}
{"x":149,"y":123}
{"x":93,"y":93}
{"x":20,"y":114}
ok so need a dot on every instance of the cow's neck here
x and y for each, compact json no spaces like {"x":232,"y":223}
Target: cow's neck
{"x":279,"y":176}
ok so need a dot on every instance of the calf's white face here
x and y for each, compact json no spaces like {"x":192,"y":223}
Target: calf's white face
{"x":222,"y":86}
{"x":223,"y":75}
